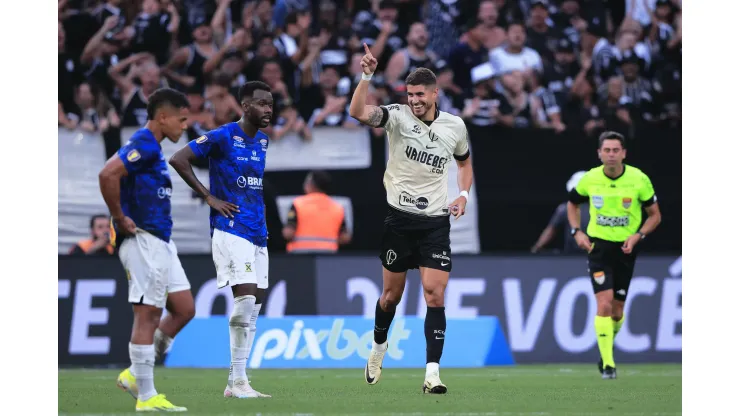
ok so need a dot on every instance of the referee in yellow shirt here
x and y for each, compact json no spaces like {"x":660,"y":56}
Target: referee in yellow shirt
{"x":617,"y":193}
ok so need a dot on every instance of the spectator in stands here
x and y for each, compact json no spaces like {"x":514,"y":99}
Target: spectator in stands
{"x":450,"y":96}
{"x":380,"y":31}
{"x":642,"y":98}
{"x":135,"y":97}
{"x":234,"y":48}
{"x":567,"y":20}
{"x":488,"y":15}
{"x":93,"y":112}
{"x":154,"y":29}
{"x":328,"y":104}
{"x":548,"y":113}
{"x":99,"y":242}
{"x":515,"y":56}
{"x":414,"y":55}
{"x":341,"y":38}
{"x":487,"y":107}
{"x":559,"y":222}
{"x":588,"y":114}
{"x":187,"y":67}
{"x":614,"y":107}
{"x":316,"y":223}
{"x":285,"y":116}
{"x":68,"y":77}
{"x":104,"y":50}
{"x":524,"y":107}
{"x":562,"y":72}
{"x":219,"y":101}
{"x":293,"y":41}
{"x":199,"y":120}
{"x":540,"y":35}
{"x":469,"y":53}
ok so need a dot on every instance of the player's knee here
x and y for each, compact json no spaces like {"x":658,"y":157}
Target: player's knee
{"x":390,"y":298}
{"x":435,"y":297}
{"x":604,"y":308}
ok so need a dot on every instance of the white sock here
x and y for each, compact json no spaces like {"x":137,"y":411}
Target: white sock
{"x":238,"y":329}
{"x":380,"y":347}
{"x":250,"y":339}
{"x":162,"y":343}
{"x":142,"y":362}
{"x":252,"y":328}
{"x":432,"y":368}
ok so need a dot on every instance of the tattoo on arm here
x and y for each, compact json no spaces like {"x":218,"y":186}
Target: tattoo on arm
{"x":375,"y":117}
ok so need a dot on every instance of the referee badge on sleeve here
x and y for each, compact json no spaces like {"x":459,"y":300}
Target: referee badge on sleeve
{"x":133,"y":156}
{"x":626,"y":202}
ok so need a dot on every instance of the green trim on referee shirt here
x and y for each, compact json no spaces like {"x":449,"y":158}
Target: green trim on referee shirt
{"x":616,"y":204}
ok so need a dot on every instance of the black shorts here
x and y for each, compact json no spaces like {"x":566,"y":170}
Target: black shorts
{"x":610,"y":268}
{"x":411,"y":241}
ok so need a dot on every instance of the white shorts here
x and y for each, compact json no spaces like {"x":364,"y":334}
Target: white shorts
{"x":152,"y":268}
{"x":238,"y":261}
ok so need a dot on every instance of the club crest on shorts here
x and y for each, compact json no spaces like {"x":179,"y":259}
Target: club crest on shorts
{"x":598,"y":201}
{"x":249,"y":267}
{"x":390,"y":257}
{"x":626,"y":202}
{"x":599,"y":277}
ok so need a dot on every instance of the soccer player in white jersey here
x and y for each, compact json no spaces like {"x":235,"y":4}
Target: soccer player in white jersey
{"x":422,"y":141}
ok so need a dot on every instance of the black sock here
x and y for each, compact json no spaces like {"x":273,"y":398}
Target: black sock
{"x":383,"y":321}
{"x":435,"y":325}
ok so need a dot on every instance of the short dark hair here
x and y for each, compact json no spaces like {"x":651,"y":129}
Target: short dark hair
{"x":422,"y":76}
{"x":611,"y":135}
{"x":164,"y":97}
{"x":95,"y":218}
{"x":321,"y":179}
{"x":246,"y":90}
{"x":516,"y":23}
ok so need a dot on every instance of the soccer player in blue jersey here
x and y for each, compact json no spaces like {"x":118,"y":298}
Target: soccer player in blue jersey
{"x":136,"y":186}
{"x":236,"y":155}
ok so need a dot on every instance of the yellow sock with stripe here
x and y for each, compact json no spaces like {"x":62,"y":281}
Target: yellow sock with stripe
{"x":605,"y":338}
{"x":618,"y":325}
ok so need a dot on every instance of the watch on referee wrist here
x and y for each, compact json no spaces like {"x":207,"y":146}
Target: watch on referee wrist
{"x":641,"y":234}
{"x":574,"y":231}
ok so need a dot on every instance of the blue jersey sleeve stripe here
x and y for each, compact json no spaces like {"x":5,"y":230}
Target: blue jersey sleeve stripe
{"x":196,"y":149}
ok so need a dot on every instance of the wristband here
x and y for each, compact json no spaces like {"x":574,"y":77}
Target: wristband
{"x":367,"y":77}
{"x":464,"y":194}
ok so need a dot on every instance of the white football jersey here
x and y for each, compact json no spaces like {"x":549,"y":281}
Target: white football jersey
{"x":416,"y":175}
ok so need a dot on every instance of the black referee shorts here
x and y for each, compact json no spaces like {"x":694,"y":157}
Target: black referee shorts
{"x":411,"y":241}
{"x":610,"y":268}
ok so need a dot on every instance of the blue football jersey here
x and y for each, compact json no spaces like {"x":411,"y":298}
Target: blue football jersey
{"x":147,"y":189}
{"x":236,"y":169}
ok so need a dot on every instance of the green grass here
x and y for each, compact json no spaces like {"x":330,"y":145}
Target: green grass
{"x":520,"y":390}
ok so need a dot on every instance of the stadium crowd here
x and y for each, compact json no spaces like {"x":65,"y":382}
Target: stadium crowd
{"x":585,"y":65}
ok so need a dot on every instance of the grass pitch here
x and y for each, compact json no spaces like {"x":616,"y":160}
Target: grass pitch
{"x":541,"y":390}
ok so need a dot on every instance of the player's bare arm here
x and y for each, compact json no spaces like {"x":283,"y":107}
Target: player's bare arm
{"x":574,"y":219}
{"x":651,"y":223}
{"x":182,"y":162}
{"x":369,"y":115}
{"x":464,"y":182}
{"x":110,"y":186}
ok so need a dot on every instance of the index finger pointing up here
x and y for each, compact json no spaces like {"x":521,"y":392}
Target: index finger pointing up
{"x":367,"y":50}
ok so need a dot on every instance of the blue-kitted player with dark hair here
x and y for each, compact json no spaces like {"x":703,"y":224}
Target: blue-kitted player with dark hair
{"x":236,"y":154}
{"x":136,"y":186}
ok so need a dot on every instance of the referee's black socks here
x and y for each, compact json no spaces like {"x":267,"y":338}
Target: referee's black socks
{"x":435,"y":325}
{"x":383,"y":321}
